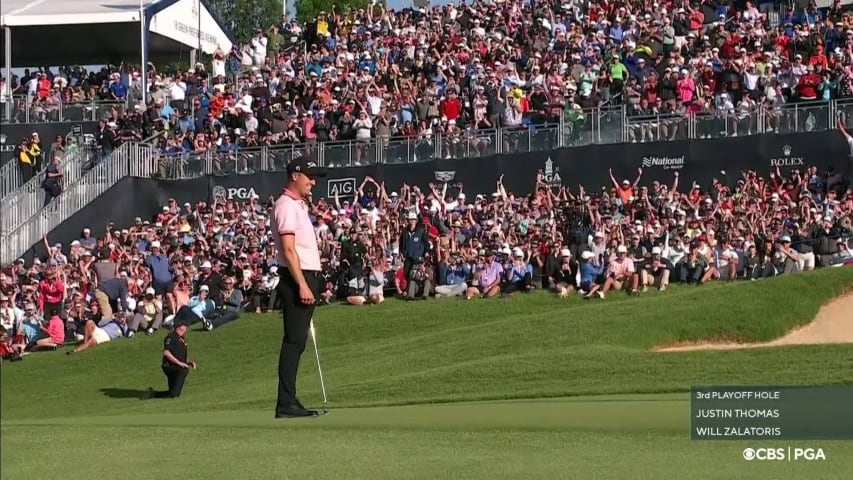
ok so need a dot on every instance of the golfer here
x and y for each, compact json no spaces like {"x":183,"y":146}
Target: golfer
{"x":175,"y":364}
{"x":300,"y":282}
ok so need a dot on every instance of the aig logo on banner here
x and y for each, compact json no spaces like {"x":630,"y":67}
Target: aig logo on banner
{"x":238,"y":193}
{"x":342,"y":187}
{"x":787,"y":160}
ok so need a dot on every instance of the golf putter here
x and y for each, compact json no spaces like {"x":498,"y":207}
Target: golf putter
{"x":319,"y":369}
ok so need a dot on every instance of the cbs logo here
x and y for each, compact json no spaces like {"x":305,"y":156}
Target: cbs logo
{"x":798,"y":453}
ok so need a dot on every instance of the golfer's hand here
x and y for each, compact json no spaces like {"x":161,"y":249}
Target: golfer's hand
{"x":191,"y":364}
{"x":306,"y":295}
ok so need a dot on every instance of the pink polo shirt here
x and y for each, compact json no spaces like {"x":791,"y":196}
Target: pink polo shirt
{"x":290,"y":216}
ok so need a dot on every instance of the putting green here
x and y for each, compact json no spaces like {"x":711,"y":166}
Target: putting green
{"x":407,"y":389}
{"x":601,"y":437}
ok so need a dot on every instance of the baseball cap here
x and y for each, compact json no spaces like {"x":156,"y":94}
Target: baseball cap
{"x":303,"y":165}
{"x":565,"y":252}
{"x":621,"y":249}
{"x":149,"y":291}
{"x":412,"y":216}
{"x":155,"y":244}
{"x":785,"y":238}
{"x":206,"y":264}
{"x":204,"y":288}
{"x":587,"y":255}
{"x":656,"y":251}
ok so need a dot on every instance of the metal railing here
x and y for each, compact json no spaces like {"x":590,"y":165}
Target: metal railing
{"x":128,"y":160}
{"x":339,"y":154}
{"x":788,"y":118}
{"x":23,"y":202}
{"x":11,"y":177}
{"x":33,"y":109}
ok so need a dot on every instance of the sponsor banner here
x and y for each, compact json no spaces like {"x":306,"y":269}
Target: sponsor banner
{"x":699,"y":161}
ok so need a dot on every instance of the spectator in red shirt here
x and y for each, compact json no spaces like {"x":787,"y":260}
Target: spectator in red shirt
{"x":451,"y":107}
{"x":51,"y":292}
{"x":808,"y":84}
{"x":400,"y":282}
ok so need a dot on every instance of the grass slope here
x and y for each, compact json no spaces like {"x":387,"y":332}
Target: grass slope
{"x":402,"y":353}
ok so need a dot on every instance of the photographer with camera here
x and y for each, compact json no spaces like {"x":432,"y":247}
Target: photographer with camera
{"x":421,"y":279}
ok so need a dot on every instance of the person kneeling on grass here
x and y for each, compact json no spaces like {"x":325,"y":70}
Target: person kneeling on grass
{"x":175,"y":363}
{"x":106,"y":330}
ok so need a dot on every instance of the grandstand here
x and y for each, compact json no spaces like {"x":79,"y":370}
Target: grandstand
{"x":497,"y":92}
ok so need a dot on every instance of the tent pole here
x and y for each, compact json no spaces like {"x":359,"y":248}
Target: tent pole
{"x":143,"y":48}
{"x":7,"y":73}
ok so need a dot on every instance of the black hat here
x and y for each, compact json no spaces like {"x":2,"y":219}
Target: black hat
{"x":185,"y":316}
{"x":308,"y":167}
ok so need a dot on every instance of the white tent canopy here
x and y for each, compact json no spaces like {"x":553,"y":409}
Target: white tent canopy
{"x":69,"y":26}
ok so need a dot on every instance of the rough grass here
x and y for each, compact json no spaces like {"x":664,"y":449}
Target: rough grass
{"x":399,"y":353}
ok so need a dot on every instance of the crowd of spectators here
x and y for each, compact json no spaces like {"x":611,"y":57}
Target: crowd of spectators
{"x":433,"y":240}
{"x":452,"y":73}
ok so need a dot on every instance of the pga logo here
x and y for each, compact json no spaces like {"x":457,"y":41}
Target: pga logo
{"x":796,"y":453}
{"x":240,"y":193}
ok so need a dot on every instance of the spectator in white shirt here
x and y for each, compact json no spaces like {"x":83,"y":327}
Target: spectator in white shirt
{"x":259,"y":48}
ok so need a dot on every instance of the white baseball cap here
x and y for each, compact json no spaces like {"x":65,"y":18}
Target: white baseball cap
{"x":412,"y":216}
{"x":621,"y":249}
{"x":155,"y":244}
{"x":586,"y":255}
{"x":565,"y":252}
{"x":656,"y":251}
{"x":149,"y":291}
{"x":206,"y":264}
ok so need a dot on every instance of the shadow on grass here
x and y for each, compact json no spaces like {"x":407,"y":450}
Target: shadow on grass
{"x":125,"y":393}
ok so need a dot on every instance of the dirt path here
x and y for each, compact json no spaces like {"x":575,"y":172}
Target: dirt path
{"x":833,"y":324}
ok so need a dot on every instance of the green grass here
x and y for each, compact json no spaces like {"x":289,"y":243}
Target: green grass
{"x":390,"y":371}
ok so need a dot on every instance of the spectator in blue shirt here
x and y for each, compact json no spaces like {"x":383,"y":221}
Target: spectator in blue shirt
{"x":519,"y":275}
{"x":452,"y":275}
{"x":589,"y":274}
{"x":162,"y":271}
{"x":118,"y":90}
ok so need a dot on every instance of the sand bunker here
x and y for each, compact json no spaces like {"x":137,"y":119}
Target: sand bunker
{"x":833,"y":324}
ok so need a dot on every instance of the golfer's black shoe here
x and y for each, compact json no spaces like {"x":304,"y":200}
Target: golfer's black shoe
{"x":295,"y":411}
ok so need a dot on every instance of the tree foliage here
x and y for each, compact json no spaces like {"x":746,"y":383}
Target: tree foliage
{"x":308,"y":9}
{"x":243,"y":17}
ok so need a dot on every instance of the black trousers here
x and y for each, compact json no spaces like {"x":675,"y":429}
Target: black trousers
{"x":176,"y":376}
{"x":297,"y":321}
{"x":223,"y":317}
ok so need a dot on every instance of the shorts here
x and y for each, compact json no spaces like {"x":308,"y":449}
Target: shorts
{"x":100,"y":335}
{"x":161,"y":288}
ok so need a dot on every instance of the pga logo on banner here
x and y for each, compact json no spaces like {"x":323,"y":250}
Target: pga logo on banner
{"x":221,"y":193}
